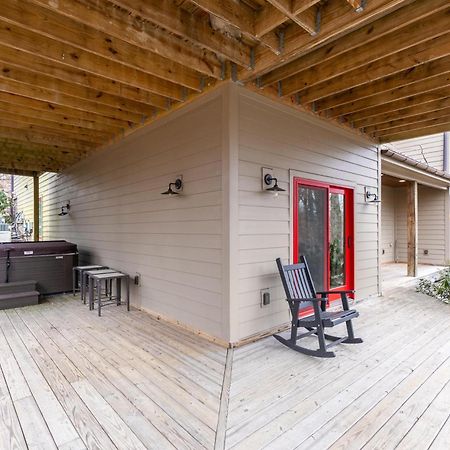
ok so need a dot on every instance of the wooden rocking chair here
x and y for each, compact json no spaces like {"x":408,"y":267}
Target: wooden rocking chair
{"x":299,"y":288}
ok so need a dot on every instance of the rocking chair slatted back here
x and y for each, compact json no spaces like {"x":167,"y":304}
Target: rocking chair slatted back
{"x":297,"y":281}
{"x":300,"y":294}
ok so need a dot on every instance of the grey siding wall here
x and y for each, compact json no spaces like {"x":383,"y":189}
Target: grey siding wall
{"x":431,"y":226}
{"x":388,"y":200}
{"x":119,"y":217}
{"x":273,"y":136}
{"x":428,"y":149}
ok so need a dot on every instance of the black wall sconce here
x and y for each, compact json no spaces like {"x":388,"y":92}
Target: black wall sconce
{"x":270,"y":183}
{"x":177,"y":184}
{"x":371,"y":197}
{"x":65,"y":209}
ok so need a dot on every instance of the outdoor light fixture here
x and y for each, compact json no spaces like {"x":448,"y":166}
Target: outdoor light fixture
{"x":178,"y":184}
{"x":275,"y":189}
{"x":402,"y":181}
{"x":65,"y":209}
{"x":371,"y":197}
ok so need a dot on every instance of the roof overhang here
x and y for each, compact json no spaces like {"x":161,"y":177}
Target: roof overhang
{"x":405,"y":170}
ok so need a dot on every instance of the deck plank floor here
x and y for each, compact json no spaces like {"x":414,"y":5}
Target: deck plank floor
{"x":71,"y":380}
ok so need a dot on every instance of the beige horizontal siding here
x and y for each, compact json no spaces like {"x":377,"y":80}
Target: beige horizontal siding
{"x":119,"y":218}
{"x":276,"y":137}
{"x":431,"y":225}
{"x":427,"y":149}
{"x":388,"y":201}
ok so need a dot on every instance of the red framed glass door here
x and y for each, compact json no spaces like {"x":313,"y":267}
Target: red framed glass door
{"x":323,"y":232}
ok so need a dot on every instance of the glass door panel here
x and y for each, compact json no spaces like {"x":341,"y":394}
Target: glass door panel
{"x":337,"y":240}
{"x":312,"y":231}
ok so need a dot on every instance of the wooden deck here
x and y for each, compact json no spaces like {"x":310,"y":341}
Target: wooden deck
{"x":71,"y":380}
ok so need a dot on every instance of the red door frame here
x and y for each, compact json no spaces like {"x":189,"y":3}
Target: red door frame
{"x":349,"y":227}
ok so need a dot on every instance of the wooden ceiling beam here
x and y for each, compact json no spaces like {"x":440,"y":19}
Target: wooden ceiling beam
{"x":398,"y":80}
{"x":407,"y":59}
{"x":409,"y":111}
{"x":270,"y":18}
{"x":410,"y":36}
{"x":24,"y":123}
{"x":42,"y":106}
{"x":45,"y":138}
{"x":416,"y":132}
{"x":299,"y":6}
{"x":307,"y":20}
{"x":240,"y":16}
{"x":394,"y":22}
{"x":101,"y":85}
{"x":15,"y":36}
{"x":10,"y":71}
{"x":57,"y":120}
{"x":335,"y":22}
{"x":445,"y":120}
{"x":26,"y":161}
{"x":385,"y":127}
{"x":56,"y":26}
{"x":58,"y":98}
{"x":26,"y":167}
{"x":384,"y":98}
{"x":167,"y":15}
{"x":389,"y":108}
{"x":34,"y":161}
{"x":117,"y":23}
{"x":13,"y":146}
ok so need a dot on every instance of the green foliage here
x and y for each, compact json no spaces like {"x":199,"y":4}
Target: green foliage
{"x":438,"y":288}
{"x":5,"y":205}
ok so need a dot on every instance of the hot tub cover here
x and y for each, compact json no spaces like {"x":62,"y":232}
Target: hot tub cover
{"x":36,"y":248}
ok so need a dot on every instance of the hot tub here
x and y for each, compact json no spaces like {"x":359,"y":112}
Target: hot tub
{"x":49,"y":263}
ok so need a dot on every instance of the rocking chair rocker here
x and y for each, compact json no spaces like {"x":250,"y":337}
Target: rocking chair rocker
{"x":299,"y":289}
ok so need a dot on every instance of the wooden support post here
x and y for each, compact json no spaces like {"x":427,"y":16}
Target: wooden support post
{"x":36,"y":206}
{"x":412,"y":221}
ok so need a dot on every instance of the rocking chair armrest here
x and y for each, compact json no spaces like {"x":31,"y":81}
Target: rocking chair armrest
{"x":349,"y":291}
{"x":315,"y":299}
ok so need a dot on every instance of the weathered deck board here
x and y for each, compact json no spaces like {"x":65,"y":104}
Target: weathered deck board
{"x":297,"y":402}
{"x":72,"y":380}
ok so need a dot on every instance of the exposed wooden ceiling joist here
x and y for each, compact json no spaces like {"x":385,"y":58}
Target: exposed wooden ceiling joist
{"x":396,"y":105}
{"x":12,"y":72}
{"x":46,"y":95}
{"x":386,"y":97}
{"x":359,"y":38}
{"x":25,"y":40}
{"x":411,"y":37}
{"x":78,"y":74}
{"x":406,"y":77}
{"x":120,"y":24}
{"x":102,"y":85}
{"x":387,"y":127}
{"x":405,"y":113}
{"x":335,"y":22}
{"x":406,"y":59}
{"x":167,"y":15}
{"x":413,"y":131}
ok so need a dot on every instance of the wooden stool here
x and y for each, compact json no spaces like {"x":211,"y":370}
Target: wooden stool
{"x":77,"y":275}
{"x":87,"y":277}
{"x":95,"y":290}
